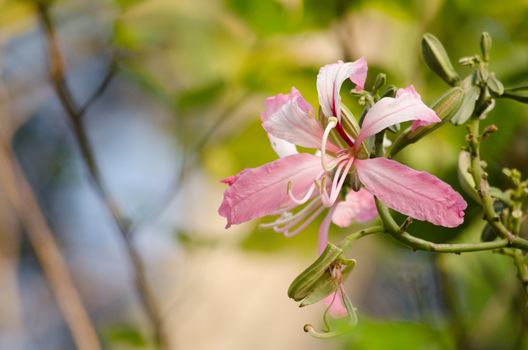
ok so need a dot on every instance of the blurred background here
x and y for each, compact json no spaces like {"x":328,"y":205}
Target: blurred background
{"x":167,"y":96}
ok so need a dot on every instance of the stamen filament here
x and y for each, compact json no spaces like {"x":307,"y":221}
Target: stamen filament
{"x":332,"y":122}
{"x":308,"y":194}
{"x":337,"y":183}
{"x":305,"y":223}
{"x":285,"y":220}
{"x":292,"y":223}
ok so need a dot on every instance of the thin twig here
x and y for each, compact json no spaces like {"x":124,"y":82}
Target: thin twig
{"x":57,"y":74}
{"x":99,"y":91}
{"x":22,"y":200}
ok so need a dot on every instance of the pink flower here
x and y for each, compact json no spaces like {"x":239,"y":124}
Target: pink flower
{"x":413,"y":193}
{"x":292,"y":181}
{"x":312,"y":183}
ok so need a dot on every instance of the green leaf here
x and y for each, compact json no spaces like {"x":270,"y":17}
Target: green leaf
{"x":125,"y":4}
{"x":201,"y":95}
{"x":127,"y":335}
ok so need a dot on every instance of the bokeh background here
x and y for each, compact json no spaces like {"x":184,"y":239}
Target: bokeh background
{"x":179,"y":113}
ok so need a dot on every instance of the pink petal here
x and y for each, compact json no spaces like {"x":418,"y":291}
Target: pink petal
{"x":322,"y":238}
{"x":335,"y":301}
{"x":414,"y":193}
{"x":262,"y":191}
{"x":291,"y":118}
{"x":407,"y":105}
{"x":330,"y":79}
{"x":281,"y":147}
{"x":358,"y":206}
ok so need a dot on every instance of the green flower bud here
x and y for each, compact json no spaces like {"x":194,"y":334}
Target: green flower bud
{"x":445,"y":107}
{"x":327,"y":286}
{"x":315,"y":274}
{"x":482,"y":73}
{"x":449,"y":103}
{"x":381,"y":79}
{"x":485,"y":46}
{"x":318,"y":280}
{"x":471,"y":94}
{"x":437,"y":60}
{"x":495,"y":84}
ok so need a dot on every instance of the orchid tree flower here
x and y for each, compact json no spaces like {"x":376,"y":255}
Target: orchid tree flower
{"x":312,"y":183}
{"x":295,"y":180}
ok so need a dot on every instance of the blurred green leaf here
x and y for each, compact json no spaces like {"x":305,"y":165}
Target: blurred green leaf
{"x":126,"y":335}
{"x":125,"y":4}
{"x":200,"y":96}
{"x":372,"y":334}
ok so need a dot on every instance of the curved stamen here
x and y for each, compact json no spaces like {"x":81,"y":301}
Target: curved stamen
{"x":322,"y":190}
{"x":308,"y":194}
{"x":285,"y":227}
{"x":305,"y":223}
{"x":338,"y":181}
{"x":303,"y":199}
{"x":336,"y":190}
{"x":286,"y":219}
{"x":332,"y":122}
{"x":337,"y":175}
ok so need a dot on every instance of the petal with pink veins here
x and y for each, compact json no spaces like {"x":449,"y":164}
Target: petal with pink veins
{"x":261,"y":191}
{"x":414,"y":193}
{"x":330,"y":79}
{"x":358,"y":206}
{"x":290,"y":118}
{"x":407,"y":105}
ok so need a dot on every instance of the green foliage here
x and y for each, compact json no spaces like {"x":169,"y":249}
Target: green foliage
{"x":372,"y":334}
{"x":125,"y":335}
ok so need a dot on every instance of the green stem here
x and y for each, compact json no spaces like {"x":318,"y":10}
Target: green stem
{"x":481,"y":183}
{"x":351,"y":238}
{"x":416,"y":243}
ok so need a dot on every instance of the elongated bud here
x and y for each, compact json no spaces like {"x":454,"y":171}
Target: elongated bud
{"x":485,"y":46}
{"x":471,"y":94}
{"x":449,"y":103}
{"x":495,"y":84}
{"x":437,"y":60}
{"x":518,"y":94}
{"x":446,"y":106}
{"x":381,"y":79}
{"x":309,"y":279}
